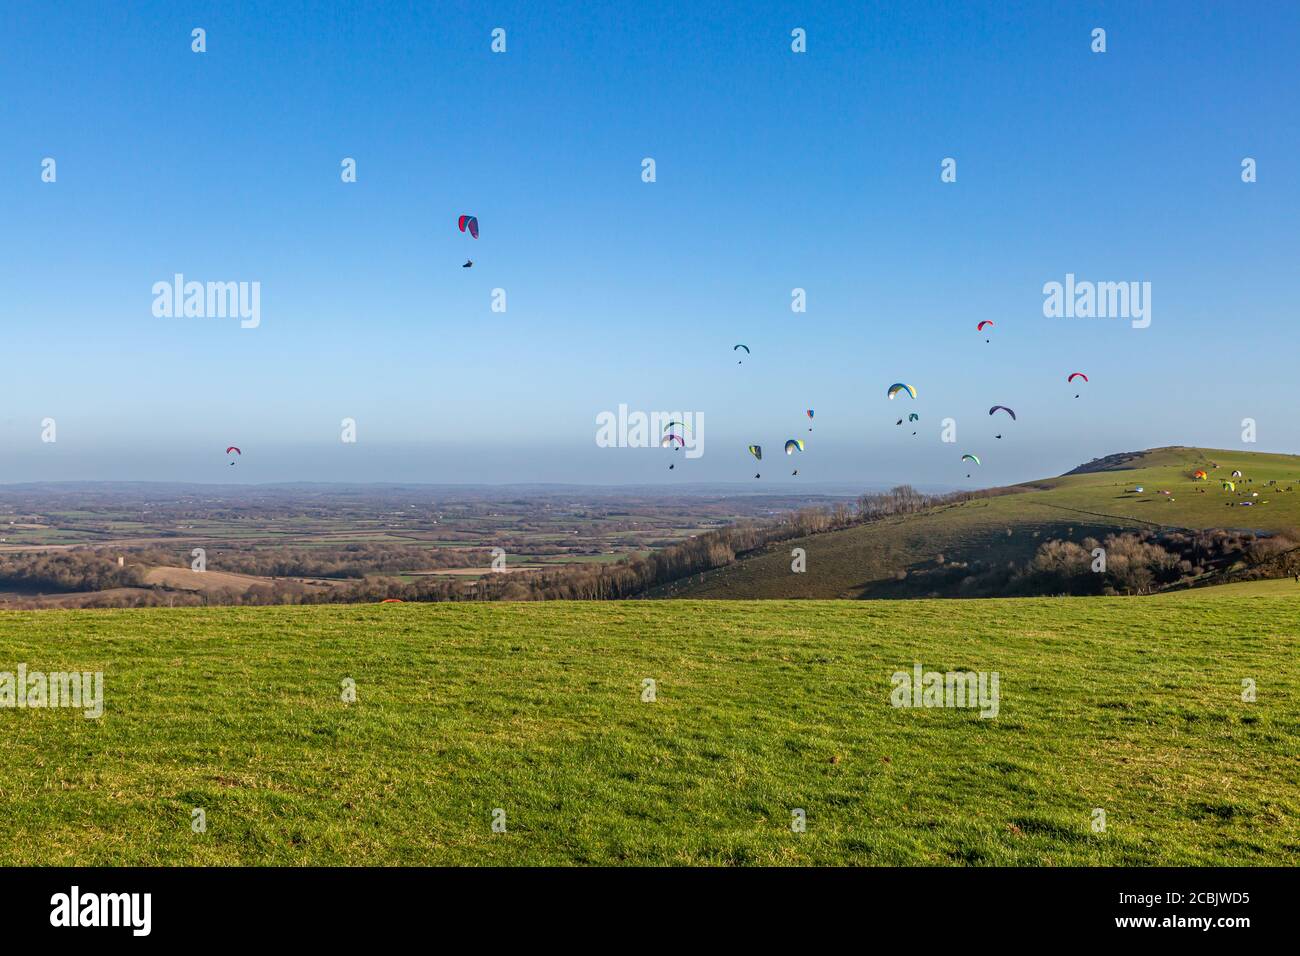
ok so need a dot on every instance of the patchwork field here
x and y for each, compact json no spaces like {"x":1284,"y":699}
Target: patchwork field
{"x":1132,"y":706}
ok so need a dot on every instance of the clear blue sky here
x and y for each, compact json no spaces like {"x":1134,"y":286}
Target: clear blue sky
{"x":775,"y":170}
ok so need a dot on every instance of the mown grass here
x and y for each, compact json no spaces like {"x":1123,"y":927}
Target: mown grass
{"x":1122,"y":704}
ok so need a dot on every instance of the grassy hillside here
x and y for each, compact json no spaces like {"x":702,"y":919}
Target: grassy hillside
{"x":864,"y":561}
{"x":1127,"y":705}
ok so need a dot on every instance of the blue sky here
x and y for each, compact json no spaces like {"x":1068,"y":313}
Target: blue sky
{"x":775,"y":170}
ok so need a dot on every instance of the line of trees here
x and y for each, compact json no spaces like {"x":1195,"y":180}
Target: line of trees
{"x":1140,"y":562}
{"x":64,"y":571}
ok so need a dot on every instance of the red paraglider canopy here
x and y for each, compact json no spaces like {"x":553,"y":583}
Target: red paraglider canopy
{"x":470,"y":223}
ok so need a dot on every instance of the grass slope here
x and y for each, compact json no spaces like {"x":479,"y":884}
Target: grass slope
{"x":1127,"y":705}
{"x":863,"y":561}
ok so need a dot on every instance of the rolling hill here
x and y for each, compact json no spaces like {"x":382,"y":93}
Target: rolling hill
{"x":881,"y":559}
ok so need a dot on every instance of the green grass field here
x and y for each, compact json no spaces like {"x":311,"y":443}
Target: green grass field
{"x":863,"y":561}
{"x":1129,"y":705}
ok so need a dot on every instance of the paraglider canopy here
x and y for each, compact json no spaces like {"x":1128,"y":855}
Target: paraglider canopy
{"x":900,"y":387}
{"x":973,"y":458}
{"x":792,"y":445}
{"x":469,"y":223}
{"x":756,"y":451}
{"x":1005,"y":409}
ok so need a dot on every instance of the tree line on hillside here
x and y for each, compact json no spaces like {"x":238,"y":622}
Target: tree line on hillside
{"x":1140,"y":562}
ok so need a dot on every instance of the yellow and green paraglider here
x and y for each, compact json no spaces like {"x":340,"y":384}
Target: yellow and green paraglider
{"x":900,"y":387}
{"x":756,"y":451}
{"x":1229,"y":486}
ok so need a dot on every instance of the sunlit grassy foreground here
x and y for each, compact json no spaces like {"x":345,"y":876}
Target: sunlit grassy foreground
{"x":1131,"y":706}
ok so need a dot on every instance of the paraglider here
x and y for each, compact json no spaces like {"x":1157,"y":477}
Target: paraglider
{"x":1073,"y":376}
{"x":980,"y":328}
{"x":236,"y":451}
{"x":1005,"y":409}
{"x":913,"y":417}
{"x":470,"y":223}
{"x":1200,"y":475}
{"x":900,"y":387}
{"x":1236,"y":474}
{"x":973,"y":458}
{"x":794,"y":444}
{"x":745,"y":347}
{"x":667,"y":441}
{"x":1229,"y":486}
{"x":810,"y":418}
{"x":756,"y":451}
